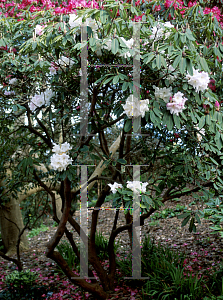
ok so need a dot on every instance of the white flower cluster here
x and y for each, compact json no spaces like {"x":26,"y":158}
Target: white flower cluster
{"x":62,"y":63}
{"x":171,"y":77}
{"x":158,"y":31}
{"x":137,"y":186}
{"x":129,"y":45}
{"x":13,"y":81}
{"x":39,"y":100}
{"x":176,"y":105}
{"x":60,"y":160}
{"x":163,"y":93}
{"x":199,"y":80}
{"x":115,"y":186}
{"x":76,"y":21}
{"x":65,"y":62}
{"x":135,"y":108}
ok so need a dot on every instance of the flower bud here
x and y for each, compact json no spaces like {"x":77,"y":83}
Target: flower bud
{"x":217,"y":106}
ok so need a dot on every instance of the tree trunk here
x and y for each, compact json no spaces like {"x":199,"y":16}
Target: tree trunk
{"x":11,"y":224}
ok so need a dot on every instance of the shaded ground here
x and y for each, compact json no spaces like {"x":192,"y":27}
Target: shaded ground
{"x":203,"y":251}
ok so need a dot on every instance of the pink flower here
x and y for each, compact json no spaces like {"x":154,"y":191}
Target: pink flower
{"x":217,"y":105}
{"x":39,"y":30}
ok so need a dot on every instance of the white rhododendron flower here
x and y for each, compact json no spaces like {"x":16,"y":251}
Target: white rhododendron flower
{"x":59,"y":162}
{"x":171,"y":77}
{"x":200,"y":133}
{"x":65,"y":62}
{"x":115,"y":186}
{"x":129,"y":44}
{"x":176,"y":105}
{"x":39,"y":30}
{"x":137,"y":186}
{"x":13,"y":81}
{"x":158,"y":31}
{"x":36,"y":101}
{"x":53,"y":69}
{"x":76,"y":21}
{"x":163,"y":93}
{"x":47,"y":95}
{"x":107,"y":44}
{"x":60,"y":159}
{"x":58,"y":149}
{"x":199,"y":80}
{"x":92,"y":23}
{"x":135,"y":108}
{"x":42,"y":99}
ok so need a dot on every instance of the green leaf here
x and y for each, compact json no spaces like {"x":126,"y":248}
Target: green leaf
{"x":176,"y":121}
{"x":158,"y":61}
{"x":34,"y":45}
{"x":208,"y":175}
{"x":115,"y":46}
{"x":191,"y":224}
{"x":136,"y":124}
{"x":122,"y":161}
{"x":197,"y":218}
{"x":169,"y":122}
{"x":104,"y":16}
{"x":107,"y":80}
{"x":204,"y":64}
{"x":157,"y":112}
{"x":125,"y":86}
{"x":189,"y":35}
{"x":93,"y":156}
{"x":189,"y":66}
{"x":148,"y":58}
{"x":163,"y":61}
{"x":214,"y":161}
{"x":185,"y":221}
{"x":152,"y":116}
{"x":184,"y":215}
{"x":182,"y":65}
{"x":219,"y":144}
{"x":115,"y":79}
{"x":14,"y":107}
{"x":201,"y":122}
{"x":176,"y":36}
{"x":176,"y":61}
{"x":208,"y":120}
{"x":183,"y":38}
{"x":128,"y":125}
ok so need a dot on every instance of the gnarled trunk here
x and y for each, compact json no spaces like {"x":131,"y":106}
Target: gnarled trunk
{"x":11,"y":224}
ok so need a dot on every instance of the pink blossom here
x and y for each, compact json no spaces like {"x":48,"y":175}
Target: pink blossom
{"x":39,"y":30}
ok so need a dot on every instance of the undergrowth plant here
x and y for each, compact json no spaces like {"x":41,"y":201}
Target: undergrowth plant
{"x":36,"y":231}
{"x":166,"y":272}
{"x":22,"y":286}
{"x":68,"y":254}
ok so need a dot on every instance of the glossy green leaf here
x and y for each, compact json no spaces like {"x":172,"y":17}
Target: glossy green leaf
{"x":182,"y":65}
{"x":114,"y":46}
{"x":128,"y":125}
{"x":201,"y":122}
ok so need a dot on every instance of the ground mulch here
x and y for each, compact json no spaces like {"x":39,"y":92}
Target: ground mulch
{"x":202,"y":249}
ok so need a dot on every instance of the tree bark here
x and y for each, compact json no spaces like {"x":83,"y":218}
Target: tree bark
{"x":11,"y":224}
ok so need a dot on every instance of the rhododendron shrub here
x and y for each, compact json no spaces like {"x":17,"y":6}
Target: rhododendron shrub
{"x":146,"y":90}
